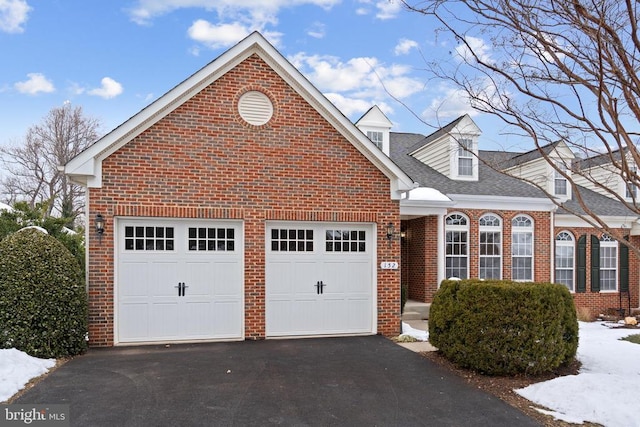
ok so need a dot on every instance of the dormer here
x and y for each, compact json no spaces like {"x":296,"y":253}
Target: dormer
{"x":376,"y":126}
{"x":610,"y":173}
{"x":549,"y":166}
{"x":452,"y":150}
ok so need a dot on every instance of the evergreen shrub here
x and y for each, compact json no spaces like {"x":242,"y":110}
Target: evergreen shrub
{"x":43,"y":304}
{"x":504,"y":328}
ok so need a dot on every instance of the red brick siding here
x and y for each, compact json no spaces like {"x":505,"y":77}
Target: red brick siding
{"x":420,"y":271}
{"x":601,"y":302}
{"x":204,"y":161}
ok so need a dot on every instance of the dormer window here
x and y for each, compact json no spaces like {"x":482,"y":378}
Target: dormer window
{"x":465,"y":157}
{"x":560,"y":182}
{"x":631,"y":189}
{"x":376,"y":138}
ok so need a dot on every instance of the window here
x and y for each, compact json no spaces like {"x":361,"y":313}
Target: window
{"x":465,"y":157}
{"x":560,"y":182}
{"x":522,"y":248}
{"x":490,"y":247}
{"x":565,"y":249}
{"x":148,"y":238}
{"x":631,"y":190}
{"x":456,"y":245}
{"x":608,"y":263}
{"x":375,"y":137}
{"x":345,"y":241}
{"x":291,"y":240}
{"x":211,"y":239}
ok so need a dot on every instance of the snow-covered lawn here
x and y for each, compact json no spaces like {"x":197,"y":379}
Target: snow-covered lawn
{"x":606,"y":389}
{"x":17,"y":368}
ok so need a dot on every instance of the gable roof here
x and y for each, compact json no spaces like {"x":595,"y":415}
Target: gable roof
{"x":86,"y":167}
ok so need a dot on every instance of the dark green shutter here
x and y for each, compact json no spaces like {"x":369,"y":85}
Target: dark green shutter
{"x":623,"y":274}
{"x":581,"y":277}
{"x":595,"y":264}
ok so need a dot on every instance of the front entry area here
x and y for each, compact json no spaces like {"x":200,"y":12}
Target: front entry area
{"x":179,"y":280}
{"x":320,"y":279}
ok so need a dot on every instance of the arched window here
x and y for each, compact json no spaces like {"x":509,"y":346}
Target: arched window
{"x":522,"y":248}
{"x":490,"y":263}
{"x":457,"y":245}
{"x":608,"y":263}
{"x":565,"y":258}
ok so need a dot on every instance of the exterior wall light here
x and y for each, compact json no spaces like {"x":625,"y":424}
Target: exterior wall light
{"x":99,"y":223}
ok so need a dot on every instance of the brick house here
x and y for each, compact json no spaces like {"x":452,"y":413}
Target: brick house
{"x":240,"y":205}
{"x":499,"y":225}
{"x":243,"y":205}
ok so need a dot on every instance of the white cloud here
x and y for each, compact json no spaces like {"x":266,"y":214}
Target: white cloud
{"x":37,"y":83}
{"x":259,"y":10}
{"x":404,"y":46}
{"x":317,"y":30}
{"x":216,"y":36}
{"x":388,"y":9}
{"x":13,"y":15}
{"x":109,"y":89}
{"x":474,"y":47}
{"x":349,"y":106}
{"x":452,"y":103}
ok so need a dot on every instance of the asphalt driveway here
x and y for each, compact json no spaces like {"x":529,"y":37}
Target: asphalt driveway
{"x":354,"y":381}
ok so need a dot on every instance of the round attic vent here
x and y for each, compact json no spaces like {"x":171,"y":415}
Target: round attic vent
{"x":255,"y":108}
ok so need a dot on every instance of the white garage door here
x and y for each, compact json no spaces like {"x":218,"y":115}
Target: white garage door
{"x":179,"y":280}
{"x":320,"y":279}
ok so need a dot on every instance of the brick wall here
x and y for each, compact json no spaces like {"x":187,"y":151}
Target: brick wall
{"x":420,"y":249}
{"x":600,"y":302}
{"x":204,"y":161}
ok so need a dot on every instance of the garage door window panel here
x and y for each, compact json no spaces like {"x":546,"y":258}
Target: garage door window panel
{"x":141,"y":238}
{"x":211,"y":239}
{"x":291,"y":240}
{"x":345,"y":241}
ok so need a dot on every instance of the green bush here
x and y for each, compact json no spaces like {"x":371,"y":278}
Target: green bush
{"x":404,"y":296}
{"x":43,"y":305}
{"x":504,"y":328}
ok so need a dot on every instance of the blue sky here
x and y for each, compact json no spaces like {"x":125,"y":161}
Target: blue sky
{"x":114,"y":57}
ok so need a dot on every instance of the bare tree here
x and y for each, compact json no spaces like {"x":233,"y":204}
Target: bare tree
{"x":32,"y":173}
{"x":551,"y":70}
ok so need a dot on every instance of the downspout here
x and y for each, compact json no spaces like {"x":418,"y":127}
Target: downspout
{"x":440,"y":249}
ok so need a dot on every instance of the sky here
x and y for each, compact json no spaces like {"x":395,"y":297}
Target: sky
{"x":603,"y":392}
{"x":113,"y":58}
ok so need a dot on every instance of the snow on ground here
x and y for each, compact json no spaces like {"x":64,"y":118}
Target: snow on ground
{"x":415,"y":333}
{"x":17,"y":368}
{"x":606,"y":389}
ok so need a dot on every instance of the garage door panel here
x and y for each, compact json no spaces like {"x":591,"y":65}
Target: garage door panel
{"x":226,"y":276}
{"x":189,"y":289}
{"x":312,"y":292}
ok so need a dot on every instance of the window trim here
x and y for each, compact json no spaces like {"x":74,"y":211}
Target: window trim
{"x":557,"y":176}
{"x":490,"y":229}
{"x":608,"y":242}
{"x":565,"y":243}
{"x":523,"y":229}
{"x":457,"y":228}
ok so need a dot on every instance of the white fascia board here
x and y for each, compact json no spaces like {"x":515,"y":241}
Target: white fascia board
{"x":253,"y":44}
{"x":471,"y":201}
{"x":410,"y":212}
{"x":569,"y":220}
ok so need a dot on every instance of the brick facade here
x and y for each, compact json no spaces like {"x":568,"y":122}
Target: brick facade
{"x":203,"y":161}
{"x":420,"y":264}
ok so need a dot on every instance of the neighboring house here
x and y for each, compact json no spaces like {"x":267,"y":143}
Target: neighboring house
{"x":502,"y":226}
{"x":243,"y":205}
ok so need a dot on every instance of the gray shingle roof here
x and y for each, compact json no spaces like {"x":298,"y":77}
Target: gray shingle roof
{"x":490,"y":182}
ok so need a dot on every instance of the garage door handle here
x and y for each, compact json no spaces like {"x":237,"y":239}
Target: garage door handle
{"x":320,"y":287}
{"x":181,"y":288}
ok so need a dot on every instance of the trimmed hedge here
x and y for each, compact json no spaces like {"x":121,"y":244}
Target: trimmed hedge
{"x":43,"y":304}
{"x":504,"y":328}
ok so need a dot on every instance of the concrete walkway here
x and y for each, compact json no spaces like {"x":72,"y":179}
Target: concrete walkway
{"x":351,"y":381}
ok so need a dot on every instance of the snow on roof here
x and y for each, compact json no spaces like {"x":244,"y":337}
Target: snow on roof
{"x":5,"y":207}
{"x":426,"y":194}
